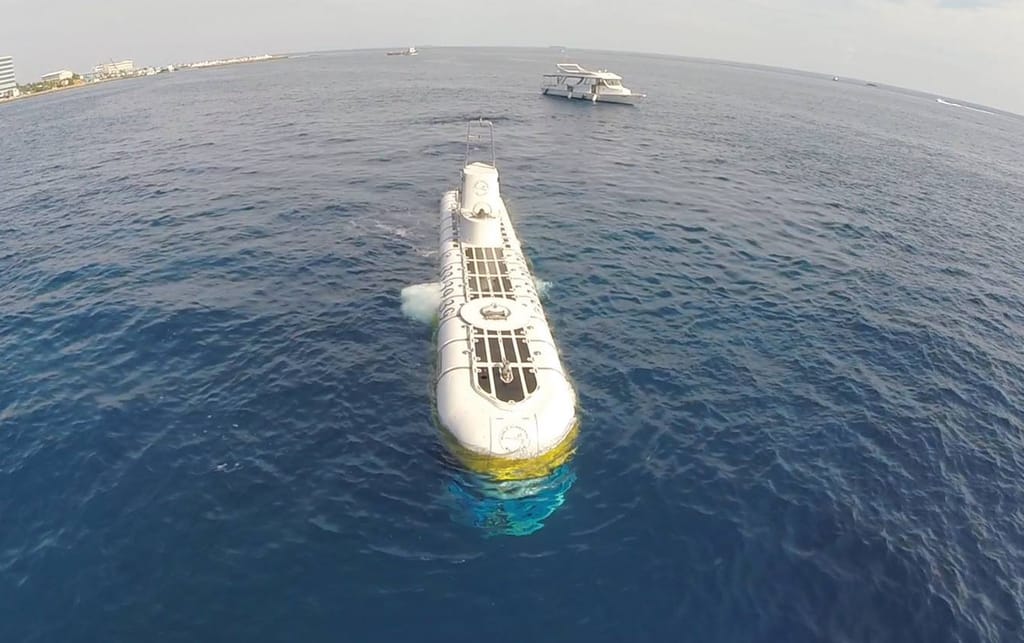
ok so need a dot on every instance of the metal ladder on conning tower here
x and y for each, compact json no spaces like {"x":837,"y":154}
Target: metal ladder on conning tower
{"x":472,"y":136}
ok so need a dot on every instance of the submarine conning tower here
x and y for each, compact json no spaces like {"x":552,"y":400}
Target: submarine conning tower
{"x":480,"y":205}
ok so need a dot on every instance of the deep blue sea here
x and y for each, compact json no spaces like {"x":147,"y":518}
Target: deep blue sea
{"x":793,"y":308}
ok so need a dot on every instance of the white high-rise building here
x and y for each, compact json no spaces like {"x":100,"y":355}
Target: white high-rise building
{"x":8,"y":85}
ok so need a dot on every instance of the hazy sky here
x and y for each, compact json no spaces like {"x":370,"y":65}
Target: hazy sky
{"x":967,"y":49}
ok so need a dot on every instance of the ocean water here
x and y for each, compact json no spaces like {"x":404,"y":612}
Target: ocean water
{"x":793,"y":308}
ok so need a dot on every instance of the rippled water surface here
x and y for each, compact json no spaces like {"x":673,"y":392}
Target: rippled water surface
{"x":794,"y":309}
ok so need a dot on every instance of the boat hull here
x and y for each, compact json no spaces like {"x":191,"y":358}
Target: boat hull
{"x":621,"y":99}
{"x":504,"y":400}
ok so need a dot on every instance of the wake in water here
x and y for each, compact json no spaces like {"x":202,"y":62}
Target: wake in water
{"x":542,"y":287}
{"x":973,"y":109}
{"x":421,"y":301}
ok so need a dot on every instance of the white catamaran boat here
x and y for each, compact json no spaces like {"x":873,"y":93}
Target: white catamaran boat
{"x":504,"y":400}
{"x":573,"y":81}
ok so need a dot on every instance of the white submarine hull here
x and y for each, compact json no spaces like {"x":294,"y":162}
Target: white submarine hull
{"x":503,"y":396}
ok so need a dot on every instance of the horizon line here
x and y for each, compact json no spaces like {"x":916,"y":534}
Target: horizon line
{"x":657,"y":54}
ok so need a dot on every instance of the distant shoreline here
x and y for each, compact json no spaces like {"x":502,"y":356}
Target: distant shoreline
{"x":232,"y":61}
{"x":185,"y":66}
{"x":56,"y":90}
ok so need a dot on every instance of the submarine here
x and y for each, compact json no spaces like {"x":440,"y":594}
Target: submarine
{"x":504,"y":401}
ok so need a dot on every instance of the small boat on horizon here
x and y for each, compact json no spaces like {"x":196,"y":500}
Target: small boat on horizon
{"x":411,"y":51}
{"x":573,"y":81}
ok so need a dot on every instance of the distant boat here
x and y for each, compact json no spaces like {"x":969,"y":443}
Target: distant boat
{"x":835,"y":78}
{"x":871,"y":84}
{"x":411,"y":51}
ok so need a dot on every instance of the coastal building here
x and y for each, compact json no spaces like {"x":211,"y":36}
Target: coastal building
{"x":58,"y":76}
{"x":114,"y":69}
{"x":8,"y":85}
